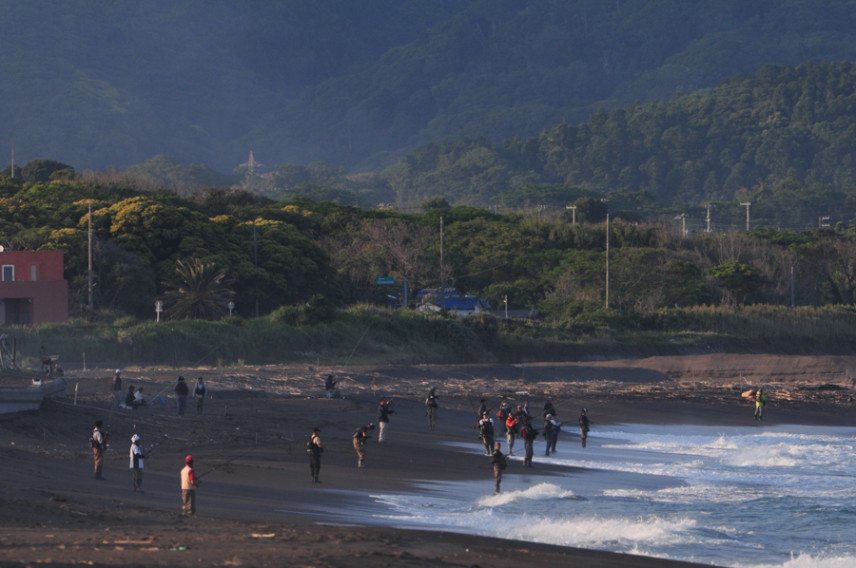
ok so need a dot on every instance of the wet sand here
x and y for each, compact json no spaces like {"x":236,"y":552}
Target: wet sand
{"x":257,"y":506}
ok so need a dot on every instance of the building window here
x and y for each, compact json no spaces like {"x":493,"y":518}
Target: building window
{"x":8,"y":273}
{"x":33,"y":272}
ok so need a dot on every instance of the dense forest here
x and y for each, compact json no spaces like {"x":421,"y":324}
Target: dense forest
{"x":359,"y":84}
{"x":292,"y":260}
{"x":781,"y":140}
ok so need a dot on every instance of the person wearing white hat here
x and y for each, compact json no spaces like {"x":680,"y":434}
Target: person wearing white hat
{"x":136,"y":464}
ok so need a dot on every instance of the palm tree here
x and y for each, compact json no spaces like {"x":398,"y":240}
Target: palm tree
{"x":199,"y":291}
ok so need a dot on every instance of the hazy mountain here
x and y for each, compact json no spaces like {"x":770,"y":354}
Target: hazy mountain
{"x":358,"y":83}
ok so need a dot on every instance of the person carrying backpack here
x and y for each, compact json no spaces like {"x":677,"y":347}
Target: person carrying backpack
{"x":499,"y":463}
{"x":528,"y":433}
{"x":486,"y":432}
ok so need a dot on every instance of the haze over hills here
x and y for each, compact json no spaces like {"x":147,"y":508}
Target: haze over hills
{"x":358,"y":84}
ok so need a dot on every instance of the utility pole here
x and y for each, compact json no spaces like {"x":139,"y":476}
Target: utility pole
{"x":256,"y":254}
{"x":573,"y":209}
{"x":683,"y":218}
{"x":607,"y":258}
{"x":442,"y":268}
{"x":505,"y":301}
{"x":746,"y":205}
{"x":707,"y":220}
{"x":793,"y":294}
{"x":13,"y":162}
{"x":89,"y":256}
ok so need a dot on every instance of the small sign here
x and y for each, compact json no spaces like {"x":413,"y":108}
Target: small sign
{"x":385,"y":280}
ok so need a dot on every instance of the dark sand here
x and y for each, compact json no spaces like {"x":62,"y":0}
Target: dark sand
{"x":257,"y":507}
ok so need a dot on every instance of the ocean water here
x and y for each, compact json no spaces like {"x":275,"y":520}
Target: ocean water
{"x":782,"y":496}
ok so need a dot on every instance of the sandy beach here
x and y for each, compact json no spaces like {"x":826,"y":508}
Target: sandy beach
{"x":257,"y":506}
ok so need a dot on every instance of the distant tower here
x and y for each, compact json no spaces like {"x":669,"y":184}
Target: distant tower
{"x":251,"y":165}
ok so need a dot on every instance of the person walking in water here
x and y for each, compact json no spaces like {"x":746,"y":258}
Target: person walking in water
{"x":760,"y":401}
{"x":361,"y":435}
{"x":189,"y":483}
{"x":551,"y":433}
{"x":431,"y":406}
{"x":136,"y":463}
{"x":512,"y":428}
{"x":315,"y":449}
{"x":384,"y":409}
{"x":499,"y":463}
{"x":486,"y":432}
{"x":585,"y":425}
{"x":528,"y":433}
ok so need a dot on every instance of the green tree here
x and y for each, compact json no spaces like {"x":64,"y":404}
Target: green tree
{"x":198,"y":291}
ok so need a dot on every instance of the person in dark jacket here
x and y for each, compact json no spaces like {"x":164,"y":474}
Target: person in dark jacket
{"x":486,"y":432}
{"x":499,"y":463}
{"x":585,"y":426}
{"x":528,"y":433}
{"x":315,"y":449}
{"x":181,"y":391}
{"x":384,"y":409}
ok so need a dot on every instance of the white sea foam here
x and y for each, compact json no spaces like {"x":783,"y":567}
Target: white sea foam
{"x":807,"y":561}
{"x":741,"y":497}
{"x":539,"y":492}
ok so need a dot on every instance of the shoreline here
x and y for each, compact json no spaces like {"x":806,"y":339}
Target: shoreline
{"x":252,"y":433}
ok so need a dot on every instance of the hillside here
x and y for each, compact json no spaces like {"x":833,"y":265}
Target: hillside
{"x":102,"y":84}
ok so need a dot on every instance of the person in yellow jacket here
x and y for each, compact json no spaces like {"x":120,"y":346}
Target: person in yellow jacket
{"x":760,"y":401}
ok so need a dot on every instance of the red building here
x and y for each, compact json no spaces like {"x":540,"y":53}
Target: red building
{"x":32,"y":289}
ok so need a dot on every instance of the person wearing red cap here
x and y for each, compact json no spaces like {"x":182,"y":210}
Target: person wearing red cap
{"x":189,"y":483}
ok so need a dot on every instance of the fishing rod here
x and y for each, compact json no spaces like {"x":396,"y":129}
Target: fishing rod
{"x":227,"y":462}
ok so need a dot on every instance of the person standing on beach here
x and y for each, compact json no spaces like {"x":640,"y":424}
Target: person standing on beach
{"x":431,"y":406}
{"x":585,"y":424}
{"x":360,"y":437}
{"x":384,"y":409}
{"x":512,"y":427}
{"x":549,"y":409}
{"x":117,"y":386}
{"x":189,"y":483}
{"x":528,"y":433}
{"x":551,"y":433}
{"x":482,"y":409}
{"x":499,"y":463}
{"x":181,"y":391}
{"x":199,"y":392}
{"x":486,"y":432}
{"x":136,"y":465}
{"x":129,"y":397}
{"x":99,"y":444}
{"x":760,"y":401}
{"x":314,"y":448}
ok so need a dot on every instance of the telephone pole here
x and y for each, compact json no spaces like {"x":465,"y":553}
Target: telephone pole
{"x":707,"y":220}
{"x":573,"y":209}
{"x":746,"y":205}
